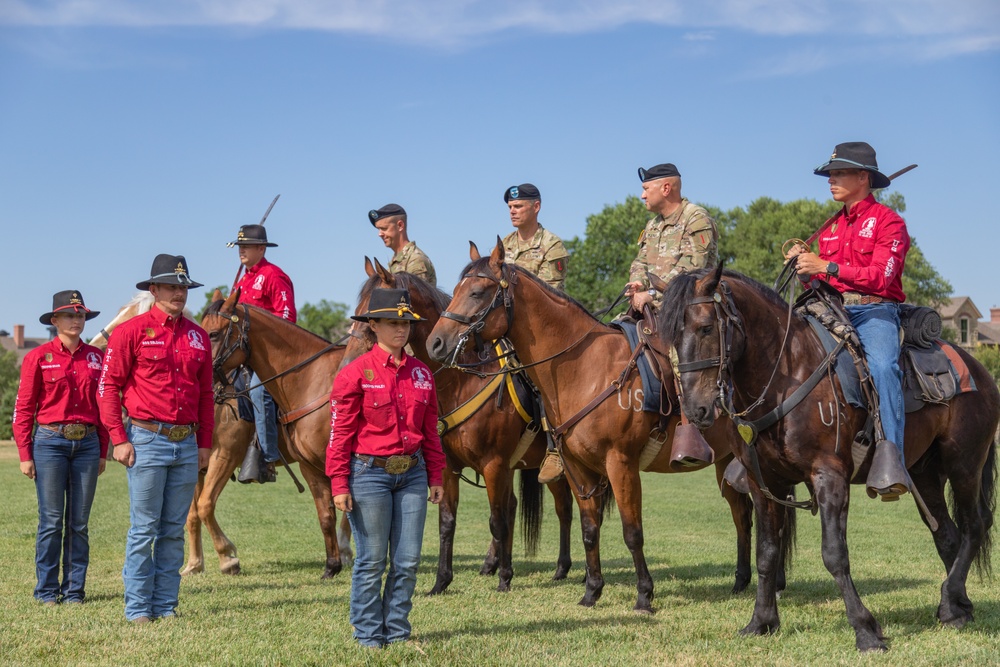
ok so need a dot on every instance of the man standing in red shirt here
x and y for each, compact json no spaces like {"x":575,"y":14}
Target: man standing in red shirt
{"x":862,"y":252}
{"x":158,"y":366}
{"x":266,"y":286}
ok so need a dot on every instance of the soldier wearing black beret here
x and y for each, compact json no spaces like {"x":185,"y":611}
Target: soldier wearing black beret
{"x":391,"y":223}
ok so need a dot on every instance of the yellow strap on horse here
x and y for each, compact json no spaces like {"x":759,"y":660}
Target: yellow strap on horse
{"x":469,"y":408}
{"x":504,"y":361}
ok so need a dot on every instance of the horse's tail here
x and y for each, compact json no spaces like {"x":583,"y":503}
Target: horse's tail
{"x":531,"y":510}
{"x":987,"y":508}
{"x":789,"y":535}
{"x":607,"y":500}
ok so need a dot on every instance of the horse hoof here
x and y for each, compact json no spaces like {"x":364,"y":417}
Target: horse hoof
{"x":645,"y":611}
{"x":331,"y":571}
{"x":232,"y":569}
{"x":192,"y":569}
{"x":587,"y":602}
{"x":559,"y":575}
{"x":872,"y":647}
{"x":503,"y":588}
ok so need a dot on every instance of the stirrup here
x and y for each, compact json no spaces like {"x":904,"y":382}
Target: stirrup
{"x":736,"y":477}
{"x":887,"y":477}
{"x":689,"y":449}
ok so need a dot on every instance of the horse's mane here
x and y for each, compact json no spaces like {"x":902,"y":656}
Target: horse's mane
{"x":681,"y":290}
{"x":215,"y":308}
{"x":481,"y":265}
{"x":409,"y":282}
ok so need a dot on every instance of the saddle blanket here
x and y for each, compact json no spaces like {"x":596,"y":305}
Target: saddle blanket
{"x":933,"y":375}
{"x":651,"y":384}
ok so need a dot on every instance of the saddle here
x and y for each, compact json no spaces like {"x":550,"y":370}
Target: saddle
{"x":653,"y":387}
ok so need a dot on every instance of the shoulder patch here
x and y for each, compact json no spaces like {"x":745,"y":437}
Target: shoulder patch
{"x":642,"y":237}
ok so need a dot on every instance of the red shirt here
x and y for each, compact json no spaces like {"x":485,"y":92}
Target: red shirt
{"x":266,"y":286}
{"x":162,"y":367}
{"x":58,"y":387}
{"x":869,"y":244}
{"x":381,"y":409}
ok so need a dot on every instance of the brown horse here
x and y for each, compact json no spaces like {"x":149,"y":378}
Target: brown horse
{"x":298,"y":368}
{"x":230,"y":440}
{"x":952,"y":442}
{"x":485,"y":441}
{"x":571,"y":357}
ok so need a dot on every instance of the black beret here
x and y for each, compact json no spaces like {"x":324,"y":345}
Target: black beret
{"x":387,"y":211}
{"x":659,"y":171}
{"x":523,"y":192}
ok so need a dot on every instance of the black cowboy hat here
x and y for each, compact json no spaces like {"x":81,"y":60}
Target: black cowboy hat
{"x":168,"y":270}
{"x":68,"y":301}
{"x":388,"y":304}
{"x":252,"y":235}
{"x":854,"y":155}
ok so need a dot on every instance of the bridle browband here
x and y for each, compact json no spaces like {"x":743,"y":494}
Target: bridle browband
{"x":477,"y":321}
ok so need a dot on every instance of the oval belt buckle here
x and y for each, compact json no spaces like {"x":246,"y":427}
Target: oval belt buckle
{"x":397,"y":465}
{"x":74,"y":431}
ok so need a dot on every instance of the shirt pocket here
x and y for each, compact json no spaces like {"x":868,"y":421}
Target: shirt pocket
{"x":54,"y":375}
{"x":378,"y":410}
{"x":864,"y":246}
{"x":153,"y":362}
{"x":421,"y":404}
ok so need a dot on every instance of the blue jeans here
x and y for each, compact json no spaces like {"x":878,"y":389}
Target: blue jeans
{"x":65,"y":481}
{"x":160,"y":488}
{"x":387,"y":520}
{"x":265,"y":419}
{"x":878,"y":328}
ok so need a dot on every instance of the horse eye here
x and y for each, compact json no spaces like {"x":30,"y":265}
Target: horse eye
{"x":706,"y":330}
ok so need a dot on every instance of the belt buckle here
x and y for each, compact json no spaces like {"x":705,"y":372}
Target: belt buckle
{"x":74,"y":431}
{"x":178,"y":433}
{"x":397,"y":465}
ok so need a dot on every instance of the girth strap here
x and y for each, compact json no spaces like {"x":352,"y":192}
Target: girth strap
{"x":313,"y":406}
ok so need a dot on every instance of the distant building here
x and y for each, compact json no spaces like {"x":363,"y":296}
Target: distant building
{"x":20,"y":345}
{"x":961,"y":316}
{"x":989,"y":332}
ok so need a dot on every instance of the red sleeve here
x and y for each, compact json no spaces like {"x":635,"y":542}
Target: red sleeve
{"x":26,"y":405}
{"x":282,"y":295}
{"x":206,"y":403}
{"x":345,"y":412}
{"x":117,"y":367}
{"x":891,"y":245}
{"x":431,"y":447}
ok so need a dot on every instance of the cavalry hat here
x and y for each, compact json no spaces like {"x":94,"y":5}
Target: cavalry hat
{"x":252,"y":235}
{"x":854,"y":155}
{"x":389,"y":210}
{"x":659,"y":171}
{"x":522,"y":192}
{"x":388,"y":304}
{"x":168,"y":270}
{"x":68,"y":301}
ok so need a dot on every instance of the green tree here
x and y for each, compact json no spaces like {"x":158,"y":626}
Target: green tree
{"x":209,"y":292}
{"x":599,"y":262}
{"x":326,"y":318}
{"x":989,"y":356}
{"x":10,"y":377}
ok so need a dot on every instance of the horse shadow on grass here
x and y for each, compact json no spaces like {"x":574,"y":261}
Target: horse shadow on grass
{"x":553,"y":625}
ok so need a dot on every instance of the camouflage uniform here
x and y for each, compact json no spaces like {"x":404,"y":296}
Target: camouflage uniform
{"x":543,"y":256}
{"x":684,"y":241}
{"x":411,"y":259}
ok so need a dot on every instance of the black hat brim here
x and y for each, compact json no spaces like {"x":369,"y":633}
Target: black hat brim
{"x":367,"y":317}
{"x":46,"y":319}
{"x":266,"y":244}
{"x":879,"y":180}
{"x":144,"y":285}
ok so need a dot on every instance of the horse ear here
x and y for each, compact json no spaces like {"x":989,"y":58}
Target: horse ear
{"x":656,"y":282}
{"x":474,"y":252}
{"x":217,"y":295}
{"x":385,"y":274}
{"x":369,"y":269}
{"x":231,"y":302}
{"x":497,"y":256}
{"x":711,"y":280}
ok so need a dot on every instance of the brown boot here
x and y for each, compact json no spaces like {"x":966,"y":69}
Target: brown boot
{"x":689,"y":449}
{"x":887,"y":476}
{"x":551,"y":469}
{"x":268,"y":473}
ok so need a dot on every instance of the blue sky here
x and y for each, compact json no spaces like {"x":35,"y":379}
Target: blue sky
{"x":130,"y":128}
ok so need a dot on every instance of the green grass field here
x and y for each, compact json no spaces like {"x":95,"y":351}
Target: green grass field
{"x":278,"y":612}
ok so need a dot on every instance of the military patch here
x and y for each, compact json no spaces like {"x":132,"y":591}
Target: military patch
{"x":642,"y":237}
{"x":149,"y":332}
{"x":369,"y":374}
{"x":48,"y":356}
{"x":833,"y":227}
{"x":559,"y":265}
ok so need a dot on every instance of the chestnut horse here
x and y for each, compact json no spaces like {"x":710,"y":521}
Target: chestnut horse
{"x":298,"y":368}
{"x":230,"y":440}
{"x":951,"y":442}
{"x":485,"y":441}
{"x":571,"y":357}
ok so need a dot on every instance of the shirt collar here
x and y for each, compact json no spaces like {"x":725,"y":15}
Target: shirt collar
{"x":860,"y":208}
{"x":161,"y":317}
{"x":385,"y":359}
{"x":258,"y":266}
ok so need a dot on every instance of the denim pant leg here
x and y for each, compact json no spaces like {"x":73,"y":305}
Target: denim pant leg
{"x":51,"y":458}
{"x":83,"y":469}
{"x":265,"y":419}
{"x":409,"y":510}
{"x":168,"y":552}
{"x":371,"y":518}
{"x":878,"y":328}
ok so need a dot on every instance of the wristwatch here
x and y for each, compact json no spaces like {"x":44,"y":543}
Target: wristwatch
{"x":652,"y":292}
{"x":832,"y":269}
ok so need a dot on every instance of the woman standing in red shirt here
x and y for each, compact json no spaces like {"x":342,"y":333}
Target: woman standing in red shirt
{"x":67,"y":451}
{"x":383,"y":454}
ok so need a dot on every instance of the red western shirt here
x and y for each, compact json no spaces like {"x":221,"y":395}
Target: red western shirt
{"x":58,"y":387}
{"x":160,"y":368}
{"x":869,"y":244}
{"x":266,"y":286}
{"x":381,"y":409}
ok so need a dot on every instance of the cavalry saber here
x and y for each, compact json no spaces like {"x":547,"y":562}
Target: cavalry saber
{"x":826,"y":224}
{"x":274,"y":201}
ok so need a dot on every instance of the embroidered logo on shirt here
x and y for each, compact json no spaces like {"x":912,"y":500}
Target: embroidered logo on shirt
{"x":149,"y":332}
{"x":895,"y":244}
{"x":369,"y":374}
{"x":889,"y":266}
{"x":93,"y":361}
{"x":258,"y":283}
{"x":194,"y":340}
{"x":421,"y":379}
{"x":48,"y":356}
{"x":867,"y":228}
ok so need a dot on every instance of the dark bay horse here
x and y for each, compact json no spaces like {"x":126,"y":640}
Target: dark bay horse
{"x":571,"y":357}
{"x":230,"y":440}
{"x":302,"y":366}
{"x":486,"y":441}
{"x":952,"y":442}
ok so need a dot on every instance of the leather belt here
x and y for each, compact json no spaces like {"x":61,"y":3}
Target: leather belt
{"x":394,"y":465}
{"x":174,"y":432}
{"x":71,"y":431}
{"x":857,"y":299}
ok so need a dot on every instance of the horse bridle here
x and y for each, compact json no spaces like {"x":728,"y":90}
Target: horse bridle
{"x":241,"y":343}
{"x":477,"y":321}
